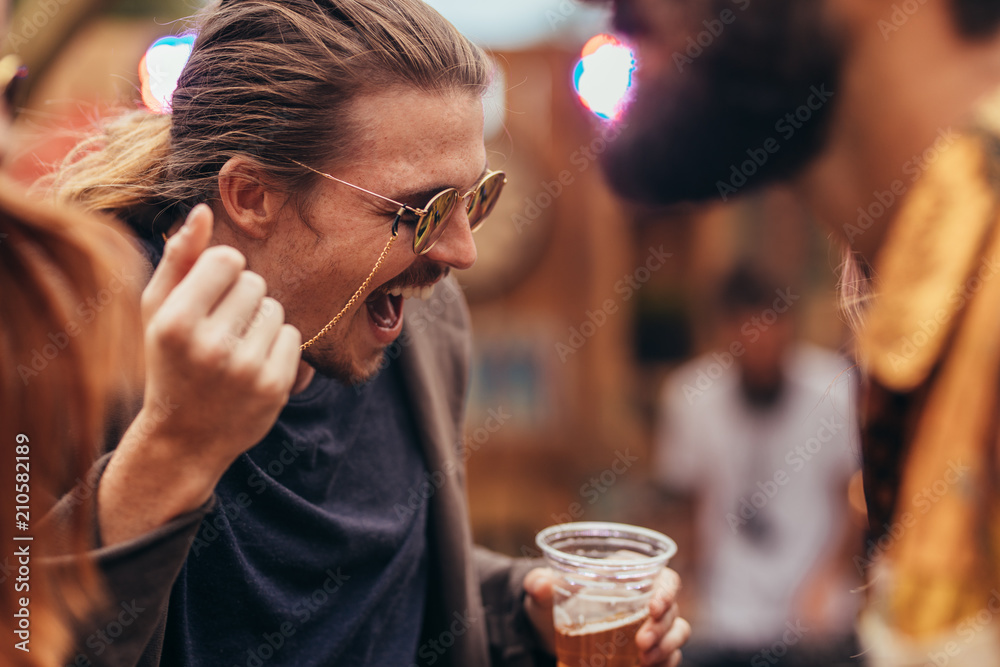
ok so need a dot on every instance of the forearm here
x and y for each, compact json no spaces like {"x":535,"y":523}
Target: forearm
{"x":147,"y":484}
{"x":136,"y":576}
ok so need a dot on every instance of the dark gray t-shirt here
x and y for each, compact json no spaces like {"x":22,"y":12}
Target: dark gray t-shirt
{"x":305,"y":561}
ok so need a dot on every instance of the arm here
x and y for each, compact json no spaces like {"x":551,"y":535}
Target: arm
{"x":513,"y":639}
{"x":219,"y":367}
{"x":137,"y":575}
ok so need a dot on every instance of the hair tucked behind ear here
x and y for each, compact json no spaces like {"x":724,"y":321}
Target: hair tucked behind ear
{"x":270,"y":80}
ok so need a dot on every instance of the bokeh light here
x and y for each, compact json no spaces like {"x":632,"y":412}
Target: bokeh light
{"x":161,"y":67}
{"x":603,"y":76}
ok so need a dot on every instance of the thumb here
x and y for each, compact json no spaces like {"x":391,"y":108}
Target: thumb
{"x":181,"y":252}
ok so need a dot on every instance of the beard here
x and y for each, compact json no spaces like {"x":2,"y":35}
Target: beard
{"x":749,"y":109}
{"x":331,"y":355}
{"x":336,"y":365}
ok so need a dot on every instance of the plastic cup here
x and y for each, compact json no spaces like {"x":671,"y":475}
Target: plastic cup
{"x":605,"y":573}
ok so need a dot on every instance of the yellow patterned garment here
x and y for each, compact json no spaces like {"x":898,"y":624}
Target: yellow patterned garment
{"x":931,"y":349}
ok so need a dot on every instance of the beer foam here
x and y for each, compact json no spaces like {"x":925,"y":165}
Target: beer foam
{"x":604,"y":626}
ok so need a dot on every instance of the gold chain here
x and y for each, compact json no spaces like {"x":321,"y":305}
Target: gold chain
{"x":357,"y":295}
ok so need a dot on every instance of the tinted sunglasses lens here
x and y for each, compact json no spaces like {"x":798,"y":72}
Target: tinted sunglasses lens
{"x":431,"y":225}
{"x":485,"y":198}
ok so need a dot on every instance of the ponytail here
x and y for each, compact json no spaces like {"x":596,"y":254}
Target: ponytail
{"x":120,"y":170}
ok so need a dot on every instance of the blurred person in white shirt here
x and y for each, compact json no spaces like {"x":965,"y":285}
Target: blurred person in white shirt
{"x":761,"y":434}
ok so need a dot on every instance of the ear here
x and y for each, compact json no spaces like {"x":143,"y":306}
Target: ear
{"x":252,"y":206}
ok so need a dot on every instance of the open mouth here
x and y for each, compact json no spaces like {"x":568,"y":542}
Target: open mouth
{"x":385,"y":307}
{"x":385,"y":310}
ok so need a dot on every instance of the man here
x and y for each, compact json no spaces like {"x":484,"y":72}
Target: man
{"x":861,"y":107}
{"x":348,"y":182}
{"x":761,"y":436}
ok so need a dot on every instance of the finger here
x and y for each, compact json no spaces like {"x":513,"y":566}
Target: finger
{"x":538,"y":585}
{"x":672,"y":660}
{"x":282,"y":364}
{"x":653,"y":630}
{"x":239,"y":306}
{"x":664,"y":593}
{"x":212,"y":276}
{"x":263,"y":329}
{"x":180,"y":254}
{"x":678,"y":635}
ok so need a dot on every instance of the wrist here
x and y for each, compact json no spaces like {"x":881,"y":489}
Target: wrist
{"x":151,"y":479}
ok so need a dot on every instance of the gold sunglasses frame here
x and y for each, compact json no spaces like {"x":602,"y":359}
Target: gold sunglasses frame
{"x":419,"y":212}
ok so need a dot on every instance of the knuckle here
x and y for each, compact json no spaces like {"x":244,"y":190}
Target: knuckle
{"x":212,"y":354}
{"x":253,"y":282}
{"x":244,"y":369}
{"x":271,"y":389}
{"x":225,"y":257}
{"x":292,"y":333}
{"x":272,"y":308}
{"x":169,"y":332}
{"x":683,"y":629}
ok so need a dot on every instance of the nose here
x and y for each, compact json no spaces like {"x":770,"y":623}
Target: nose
{"x":456,"y":247}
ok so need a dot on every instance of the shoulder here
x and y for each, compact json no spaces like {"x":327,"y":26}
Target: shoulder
{"x":436,"y":343}
{"x":443,"y":319}
{"x":821,"y":372}
{"x":445,"y":309}
{"x":698,"y":385}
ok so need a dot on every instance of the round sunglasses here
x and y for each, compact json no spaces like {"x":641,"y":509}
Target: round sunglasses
{"x":433,"y":217}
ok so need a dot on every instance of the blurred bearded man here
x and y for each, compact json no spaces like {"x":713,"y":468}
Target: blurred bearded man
{"x":867,"y":110}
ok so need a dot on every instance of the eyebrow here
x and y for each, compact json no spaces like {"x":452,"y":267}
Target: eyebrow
{"x":418,"y":198}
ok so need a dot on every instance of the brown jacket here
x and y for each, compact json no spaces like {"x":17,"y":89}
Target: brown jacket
{"x":475,"y":601}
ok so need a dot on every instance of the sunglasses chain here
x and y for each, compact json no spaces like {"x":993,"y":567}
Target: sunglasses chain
{"x":364,"y":285}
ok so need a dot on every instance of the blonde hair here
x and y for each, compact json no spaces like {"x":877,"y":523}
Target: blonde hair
{"x":268,"y":80}
{"x":855,"y":288}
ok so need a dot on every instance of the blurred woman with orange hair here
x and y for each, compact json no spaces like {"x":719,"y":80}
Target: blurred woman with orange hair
{"x":64,"y":314}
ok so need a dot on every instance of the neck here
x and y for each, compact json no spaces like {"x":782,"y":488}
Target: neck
{"x":761,"y":393}
{"x":305,"y":376}
{"x":903,"y":92}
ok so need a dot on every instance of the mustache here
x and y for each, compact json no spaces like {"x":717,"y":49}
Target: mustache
{"x":421,"y":275}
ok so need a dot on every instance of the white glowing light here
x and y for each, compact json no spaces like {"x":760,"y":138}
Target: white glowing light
{"x":603,"y":76}
{"x":160,"y":69}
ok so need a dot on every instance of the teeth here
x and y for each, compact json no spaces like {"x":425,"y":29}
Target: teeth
{"x":413,"y":292}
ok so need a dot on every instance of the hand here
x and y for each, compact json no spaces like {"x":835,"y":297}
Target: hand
{"x":220,"y":363}
{"x":216,"y":346}
{"x":660,"y":637}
